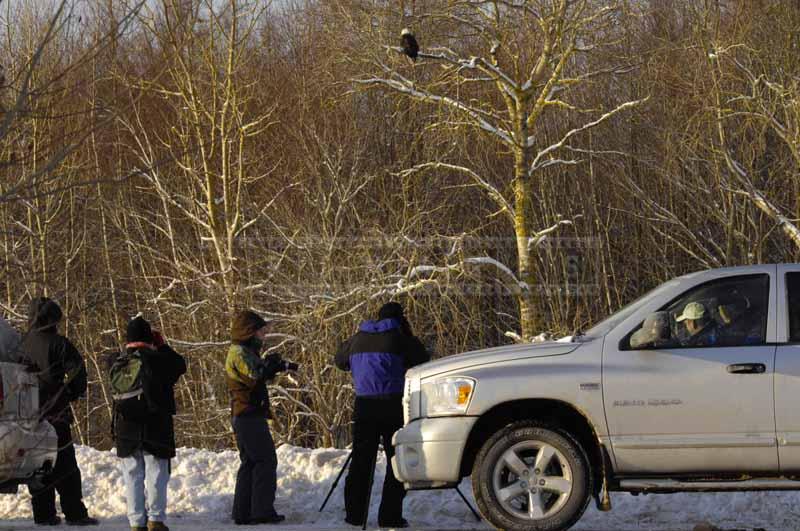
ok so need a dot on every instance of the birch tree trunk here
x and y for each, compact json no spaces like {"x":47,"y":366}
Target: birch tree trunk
{"x":532,"y":88}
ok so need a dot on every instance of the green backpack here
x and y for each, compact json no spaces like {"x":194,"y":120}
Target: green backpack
{"x":128,"y":375}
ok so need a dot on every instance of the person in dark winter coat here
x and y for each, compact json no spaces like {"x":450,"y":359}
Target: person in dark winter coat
{"x":378,"y":357}
{"x":62,"y":380}
{"x":144,"y":430}
{"x":247,"y":374}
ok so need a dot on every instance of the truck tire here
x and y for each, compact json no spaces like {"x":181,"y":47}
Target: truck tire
{"x":532,"y":477}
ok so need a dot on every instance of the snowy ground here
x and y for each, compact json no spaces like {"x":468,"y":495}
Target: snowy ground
{"x":201,"y":493}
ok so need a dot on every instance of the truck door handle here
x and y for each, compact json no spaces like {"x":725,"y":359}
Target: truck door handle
{"x":747,"y":368}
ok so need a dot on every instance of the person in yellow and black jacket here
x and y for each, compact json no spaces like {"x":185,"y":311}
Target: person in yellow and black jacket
{"x":247,"y":374}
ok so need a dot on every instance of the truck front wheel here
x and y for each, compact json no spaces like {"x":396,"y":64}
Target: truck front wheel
{"x":531,"y":477}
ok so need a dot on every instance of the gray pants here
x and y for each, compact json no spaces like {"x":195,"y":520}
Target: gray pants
{"x":256,"y":480}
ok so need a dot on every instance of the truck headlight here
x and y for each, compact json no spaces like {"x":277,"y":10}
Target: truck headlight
{"x":411,"y":399}
{"x":446,"y":396}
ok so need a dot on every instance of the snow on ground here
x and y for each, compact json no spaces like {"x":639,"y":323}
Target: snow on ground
{"x":201,"y":494}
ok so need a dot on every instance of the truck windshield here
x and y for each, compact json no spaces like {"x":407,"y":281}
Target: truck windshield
{"x":607,"y":324}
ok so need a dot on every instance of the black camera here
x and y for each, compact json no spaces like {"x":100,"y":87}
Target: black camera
{"x":276,"y":363}
{"x":289,"y":366}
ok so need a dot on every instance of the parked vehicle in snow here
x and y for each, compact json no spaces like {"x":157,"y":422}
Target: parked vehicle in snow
{"x":9,"y":341}
{"x":692,"y":387}
{"x":28,"y":445}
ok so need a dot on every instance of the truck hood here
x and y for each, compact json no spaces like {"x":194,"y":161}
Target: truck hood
{"x":490,"y":356}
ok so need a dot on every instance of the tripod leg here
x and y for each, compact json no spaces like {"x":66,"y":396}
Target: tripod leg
{"x":471,"y":508}
{"x":336,"y":482}
{"x":369,"y":489}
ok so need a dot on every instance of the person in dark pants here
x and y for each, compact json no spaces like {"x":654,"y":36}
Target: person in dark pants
{"x":62,"y":380}
{"x":246,"y":374}
{"x":144,"y":430}
{"x":378,"y":357}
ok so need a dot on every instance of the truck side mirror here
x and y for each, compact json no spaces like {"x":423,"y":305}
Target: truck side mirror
{"x":654,"y":331}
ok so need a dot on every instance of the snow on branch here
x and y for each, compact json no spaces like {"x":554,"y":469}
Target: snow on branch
{"x":596,"y":151}
{"x":539,"y":161}
{"x":539,"y":237}
{"x":474,"y":62}
{"x":767,"y":207}
{"x":447,"y":55}
{"x":789,"y":228}
{"x":555,"y":162}
{"x":514,"y":336}
{"x":482,"y":183}
{"x":407,"y":87}
{"x":487,"y":261}
{"x":198,"y":344}
{"x":426,"y":273}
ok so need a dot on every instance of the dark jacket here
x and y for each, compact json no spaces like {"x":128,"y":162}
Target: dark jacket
{"x":379,"y":356}
{"x":147,"y":424}
{"x":246,"y":374}
{"x":60,"y":367}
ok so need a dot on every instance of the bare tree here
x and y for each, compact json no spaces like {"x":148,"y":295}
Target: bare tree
{"x":209,"y":98}
{"x":533,"y":56}
{"x":49,"y":54}
{"x":774,"y":103}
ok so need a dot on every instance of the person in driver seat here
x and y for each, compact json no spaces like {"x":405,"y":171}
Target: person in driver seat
{"x":700,"y":330}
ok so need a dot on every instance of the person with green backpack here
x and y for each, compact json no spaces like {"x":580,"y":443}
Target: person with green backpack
{"x":143,"y":378}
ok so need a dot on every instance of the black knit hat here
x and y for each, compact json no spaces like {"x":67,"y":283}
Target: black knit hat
{"x":43,"y":314}
{"x":139,"y":331}
{"x":245,"y":325}
{"x":391,"y":310}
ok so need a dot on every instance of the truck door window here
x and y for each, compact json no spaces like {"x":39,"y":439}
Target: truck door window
{"x":793,"y":299}
{"x":728,"y":312}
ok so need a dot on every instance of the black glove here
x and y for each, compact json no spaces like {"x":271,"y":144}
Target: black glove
{"x":272,"y":364}
{"x":275,"y":364}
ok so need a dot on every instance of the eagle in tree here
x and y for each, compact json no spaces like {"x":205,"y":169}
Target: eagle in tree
{"x":410,"y":46}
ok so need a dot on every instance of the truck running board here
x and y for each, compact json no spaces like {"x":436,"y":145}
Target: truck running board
{"x":671,"y":485}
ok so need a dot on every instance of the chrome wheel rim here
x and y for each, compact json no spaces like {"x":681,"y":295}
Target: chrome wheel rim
{"x":532,"y":480}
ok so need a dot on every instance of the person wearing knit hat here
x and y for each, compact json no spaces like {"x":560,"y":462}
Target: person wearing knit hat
{"x":245,"y":326}
{"x":139,"y":331}
{"x":247,"y":374}
{"x":143,"y":426}
{"x":378,"y":357}
{"x":391,"y":310}
{"x":62,"y":379}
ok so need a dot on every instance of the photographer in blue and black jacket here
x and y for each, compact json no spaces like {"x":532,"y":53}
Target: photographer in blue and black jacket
{"x":378,"y":357}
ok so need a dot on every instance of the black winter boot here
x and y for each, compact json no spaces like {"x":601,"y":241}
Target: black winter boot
{"x":272,"y":519}
{"x":400,"y":524}
{"x":83,"y":522}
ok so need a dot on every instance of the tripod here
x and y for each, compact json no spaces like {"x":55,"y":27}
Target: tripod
{"x":369,"y":489}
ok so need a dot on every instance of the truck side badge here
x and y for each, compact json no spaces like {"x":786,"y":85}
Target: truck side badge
{"x":590,"y":386}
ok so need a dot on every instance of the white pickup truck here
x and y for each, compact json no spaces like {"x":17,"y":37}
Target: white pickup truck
{"x":692,"y":387}
{"x":28,"y":445}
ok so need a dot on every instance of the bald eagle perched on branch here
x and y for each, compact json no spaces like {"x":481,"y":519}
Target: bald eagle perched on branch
{"x":410,"y":46}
